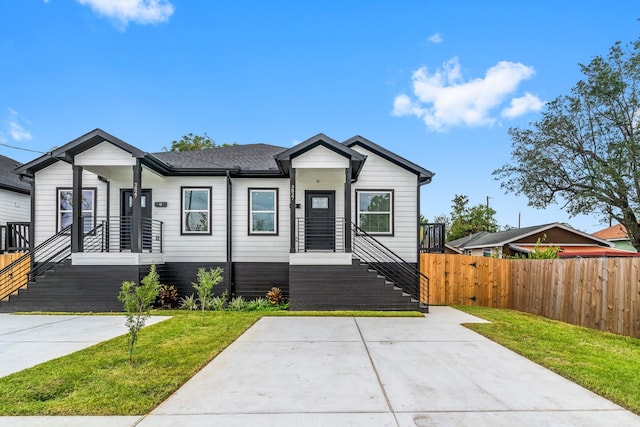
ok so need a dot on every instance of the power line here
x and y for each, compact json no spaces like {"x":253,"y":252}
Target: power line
{"x":22,"y":148}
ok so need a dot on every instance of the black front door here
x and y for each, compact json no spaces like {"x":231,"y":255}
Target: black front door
{"x":320,"y":221}
{"x":126,"y":213}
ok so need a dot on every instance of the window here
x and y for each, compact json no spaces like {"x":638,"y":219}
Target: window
{"x":196,"y":210}
{"x":263,"y":211}
{"x":65,"y":208}
{"x":375,"y":211}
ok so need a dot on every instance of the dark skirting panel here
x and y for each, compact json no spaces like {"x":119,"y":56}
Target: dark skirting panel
{"x":254,"y":279}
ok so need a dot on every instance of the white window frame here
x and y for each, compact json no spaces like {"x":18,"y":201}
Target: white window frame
{"x":184,"y":211}
{"x":359,"y":194}
{"x":274,"y":211}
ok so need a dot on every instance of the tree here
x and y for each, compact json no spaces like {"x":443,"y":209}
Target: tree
{"x":191,"y":142}
{"x":206,"y":281}
{"x":585,"y":151}
{"x":467,"y":220}
{"x":137,"y":301}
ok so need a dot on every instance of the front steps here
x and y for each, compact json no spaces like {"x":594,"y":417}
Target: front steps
{"x":345,"y":287}
{"x":74,"y":288}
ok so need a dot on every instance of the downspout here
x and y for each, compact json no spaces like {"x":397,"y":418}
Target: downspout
{"x":230,"y":287}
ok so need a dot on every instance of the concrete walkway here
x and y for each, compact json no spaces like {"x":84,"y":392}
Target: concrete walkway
{"x":298,"y":371}
{"x":28,"y":340}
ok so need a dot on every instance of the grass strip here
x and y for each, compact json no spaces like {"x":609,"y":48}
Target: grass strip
{"x":99,"y":380}
{"x":604,"y":363}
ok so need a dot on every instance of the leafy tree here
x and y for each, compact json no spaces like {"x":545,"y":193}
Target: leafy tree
{"x":137,"y":301}
{"x":467,"y":220}
{"x":191,"y":142}
{"x":585,"y":151}
{"x":204,"y":288}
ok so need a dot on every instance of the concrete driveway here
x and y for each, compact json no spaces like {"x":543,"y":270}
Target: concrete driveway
{"x":299,"y":371}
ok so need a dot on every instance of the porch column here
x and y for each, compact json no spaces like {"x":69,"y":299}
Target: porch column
{"x":77,"y":226}
{"x":292,"y":208}
{"x":136,"y":216}
{"x":347,"y":209}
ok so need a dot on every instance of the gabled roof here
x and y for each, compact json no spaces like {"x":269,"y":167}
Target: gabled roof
{"x":424,"y":176}
{"x":615,"y":232}
{"x":357,"y":159}
{"x":67,"y":151}
{"x":239,"y":160}
{"x":9,"y":180}
{"x":501,"y":238}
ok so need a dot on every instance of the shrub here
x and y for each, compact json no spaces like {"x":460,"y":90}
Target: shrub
{"x":189,"y":302}
{"x":137,"y":301}
{"x":167,"y":297}
{"x":258,"y":304}
{"x":275,"y":296}
{"x":218,"y":303}
{"x":237,"y":304}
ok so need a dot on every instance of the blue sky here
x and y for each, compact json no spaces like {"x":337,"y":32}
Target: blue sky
{"x":438,"y":82}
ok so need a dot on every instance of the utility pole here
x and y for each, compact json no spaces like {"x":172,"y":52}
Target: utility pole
{"x":488,"y":202}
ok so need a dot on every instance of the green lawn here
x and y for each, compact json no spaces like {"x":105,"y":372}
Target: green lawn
{"x":604,"y":363}
{"x":100,"y":380}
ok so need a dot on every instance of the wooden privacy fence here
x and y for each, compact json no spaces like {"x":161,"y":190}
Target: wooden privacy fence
{"x":600,"y":293}
{"x":15,"y":277}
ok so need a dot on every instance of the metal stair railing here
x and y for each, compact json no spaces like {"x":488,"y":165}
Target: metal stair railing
{"x":26,"y":268}
{"x":387,"y":263}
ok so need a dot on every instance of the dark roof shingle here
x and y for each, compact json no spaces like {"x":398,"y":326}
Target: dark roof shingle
{"x":250,"y":157}
{"x":9,"y":179}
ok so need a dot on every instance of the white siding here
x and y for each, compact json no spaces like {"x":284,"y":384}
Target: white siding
{"x":320,"y":179}
{"x":320,"y":157}
{"x":380,"y":174}
{"x":257,"y":248}
{"x":104,"y":154}
{"x":178,"y":247}
{"x":14,"y":207}
{"x":59,"y":175}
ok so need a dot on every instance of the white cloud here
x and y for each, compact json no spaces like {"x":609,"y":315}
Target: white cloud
{"x":523,"y":105}
{"x":443,"y":99}
{"x":14,"y":128}
{"x":435,"y":38}
{"x":138,"y":11}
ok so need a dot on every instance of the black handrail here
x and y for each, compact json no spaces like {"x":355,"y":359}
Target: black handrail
{"x":52,"y":251}
{"x":390,"y":265}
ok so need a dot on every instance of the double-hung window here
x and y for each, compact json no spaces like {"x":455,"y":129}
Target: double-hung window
{"x":65,"y":208}
{"x":196,"y":210}
{"x":263,"y":211}
{"x":375,"y":211}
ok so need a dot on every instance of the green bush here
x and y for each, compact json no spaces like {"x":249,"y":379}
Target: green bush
{"x":259,"y":304}
{"x":189,"y":302}
{"x":237,"y":304}
{"x":218,"y":303}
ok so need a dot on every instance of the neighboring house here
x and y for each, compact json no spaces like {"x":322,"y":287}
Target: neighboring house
{"x":616,"y":234}
{"x":15,"y":207}
{"x":521,"y":241}
{"x":296,"y":218}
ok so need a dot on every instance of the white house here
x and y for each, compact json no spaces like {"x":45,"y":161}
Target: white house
{"x":15,"y":207}
{"x":314,"y":220}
